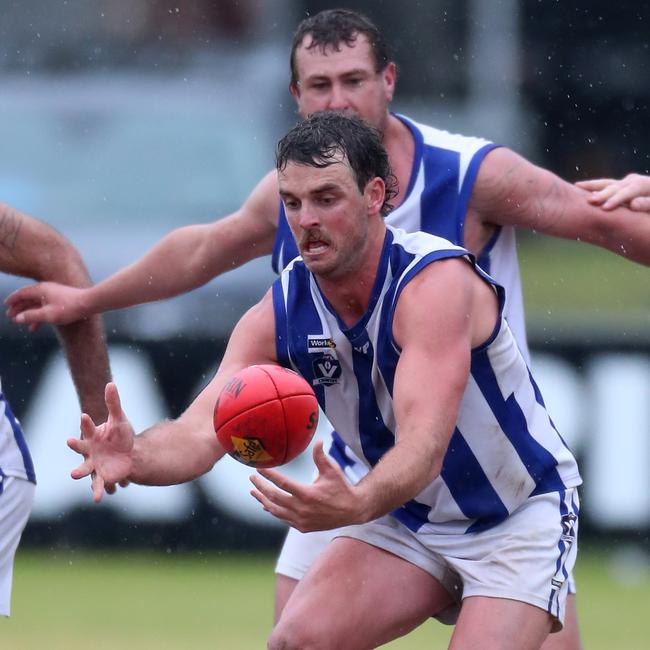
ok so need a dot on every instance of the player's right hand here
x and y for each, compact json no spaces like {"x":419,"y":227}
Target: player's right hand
{"x":46,"y":302}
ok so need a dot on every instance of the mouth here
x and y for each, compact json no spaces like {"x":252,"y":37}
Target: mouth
{"x":312,"y":246}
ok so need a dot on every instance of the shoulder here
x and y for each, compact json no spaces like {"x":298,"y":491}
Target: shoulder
{"x":263,"y":202}
{"x":442,"y":139}
{"x":423,"y":244}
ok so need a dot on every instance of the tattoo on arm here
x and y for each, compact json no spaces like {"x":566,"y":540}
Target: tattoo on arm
{"x":10,"y":225}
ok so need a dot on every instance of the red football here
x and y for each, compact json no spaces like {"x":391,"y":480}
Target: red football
{"x":265,"y":416}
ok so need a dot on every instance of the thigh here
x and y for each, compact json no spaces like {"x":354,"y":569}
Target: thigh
{"x":357,"y":596}
{"x":568,"y":638}
{"x":298,"y":553}
{"x":500,"y":624}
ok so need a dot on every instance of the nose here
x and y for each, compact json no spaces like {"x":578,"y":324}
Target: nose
{"x":308,"y":218}
{"x":338,"y":100}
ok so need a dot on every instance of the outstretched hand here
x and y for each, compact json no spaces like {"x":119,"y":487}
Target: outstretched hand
{"x":45,"y":302}
{"x":329,"y":502}
{"x":632,"y":191}
{"x":107,"y":448}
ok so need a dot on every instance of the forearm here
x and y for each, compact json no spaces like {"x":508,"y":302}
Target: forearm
{"x":401,"y":474}
{"x":83,"y":342}
{"x":624,"y":232}
{"x":185,"y":259}
{"x":173,"y":452}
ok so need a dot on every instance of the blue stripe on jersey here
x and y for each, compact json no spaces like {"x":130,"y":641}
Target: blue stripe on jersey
{"x":417,"y":153}
{"x":281,"y":339}
{"x":306,"y":322}
{"x":540,"y":400}
{"x":439,"y":198}
{"x":19,"y":437}
{"x":541,"y":465}
{"x":337,"y":451}
{"x":468,"y":187}
{"x":412,"y":514}
{"x":470,"y":487}
{"x":284,"y":247}
{"x":375,"y":437}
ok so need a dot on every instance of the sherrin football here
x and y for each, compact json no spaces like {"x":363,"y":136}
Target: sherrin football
{"x":265,"y":416}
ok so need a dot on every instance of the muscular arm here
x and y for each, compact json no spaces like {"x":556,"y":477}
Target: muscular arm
{"x":441,"y":315}
{"x":511,"y":191}
{"x":176,"y":451}
{"x":30,"y":248}
{"x":183,"y":260}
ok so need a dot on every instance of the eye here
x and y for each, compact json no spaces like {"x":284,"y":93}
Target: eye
{"x":319,"y":86}
{"x":290,"y":204}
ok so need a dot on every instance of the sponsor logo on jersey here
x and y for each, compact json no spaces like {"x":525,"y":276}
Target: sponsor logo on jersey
{"x":319,"y":342}
{"x":327,"y":370}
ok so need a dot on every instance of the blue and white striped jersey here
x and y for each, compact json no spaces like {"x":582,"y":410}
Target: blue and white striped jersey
{"x":14,"y":454}
{"x":444,"y":170}
{"x":504,"y":447}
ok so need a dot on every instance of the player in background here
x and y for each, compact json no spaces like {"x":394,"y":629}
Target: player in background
{"x":469,"y":508}
{"x":30,"y":248}
{"x":632,"y":191}
{"x":465,"y":189}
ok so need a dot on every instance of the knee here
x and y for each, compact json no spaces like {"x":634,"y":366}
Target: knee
{"x":293,"y":636}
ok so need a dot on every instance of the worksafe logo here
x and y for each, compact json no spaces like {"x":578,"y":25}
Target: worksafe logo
{"x":327,"y":370}
{"x":319,"y":342}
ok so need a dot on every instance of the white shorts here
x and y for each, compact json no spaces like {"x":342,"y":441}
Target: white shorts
{"x":536,"y":549}
{"x":16,"y":498}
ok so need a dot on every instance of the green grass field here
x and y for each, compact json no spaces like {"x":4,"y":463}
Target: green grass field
{"x":66,"y":600}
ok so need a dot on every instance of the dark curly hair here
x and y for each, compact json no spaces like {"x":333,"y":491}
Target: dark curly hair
{"x":332,"y":27}
{"x":320,"y":140}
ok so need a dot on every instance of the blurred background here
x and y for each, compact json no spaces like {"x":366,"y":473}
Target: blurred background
{"x":121,"y":121}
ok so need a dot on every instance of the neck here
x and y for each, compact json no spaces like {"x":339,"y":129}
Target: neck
{"x":400,"y":146}
{"x":350,"y":294}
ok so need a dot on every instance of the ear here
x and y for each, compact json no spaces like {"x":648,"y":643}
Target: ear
{"x":390,"y":78}
{"x":375,"y":193}
{"x":294,"y":90}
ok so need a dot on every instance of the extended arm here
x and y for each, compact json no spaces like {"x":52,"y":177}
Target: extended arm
{"x":183,"y":260}
{"x":511,"y":191}
{"x":172,"y":451}
{"x":32,"y":249}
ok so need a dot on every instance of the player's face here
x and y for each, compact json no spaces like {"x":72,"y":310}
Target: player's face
{"x":328,"y":216}
{"x":344,"y":81}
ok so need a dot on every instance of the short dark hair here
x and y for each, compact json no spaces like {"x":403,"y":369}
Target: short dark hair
{"x":332,"y":27}
{"x":323,"y":137}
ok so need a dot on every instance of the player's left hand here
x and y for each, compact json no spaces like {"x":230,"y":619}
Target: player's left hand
{"x":329,"y":502}
{"x":632,"y":191}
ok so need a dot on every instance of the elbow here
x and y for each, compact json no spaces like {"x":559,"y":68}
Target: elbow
{"x":63,"y":264}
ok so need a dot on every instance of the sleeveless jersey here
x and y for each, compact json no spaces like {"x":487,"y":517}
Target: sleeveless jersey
{"x":14,"y":454}
{"x":504,"y":447}
{"x":444,"y":170}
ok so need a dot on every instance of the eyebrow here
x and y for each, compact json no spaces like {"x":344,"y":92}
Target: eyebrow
{"x":347,"y":73}
{"x":327,"y":187}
